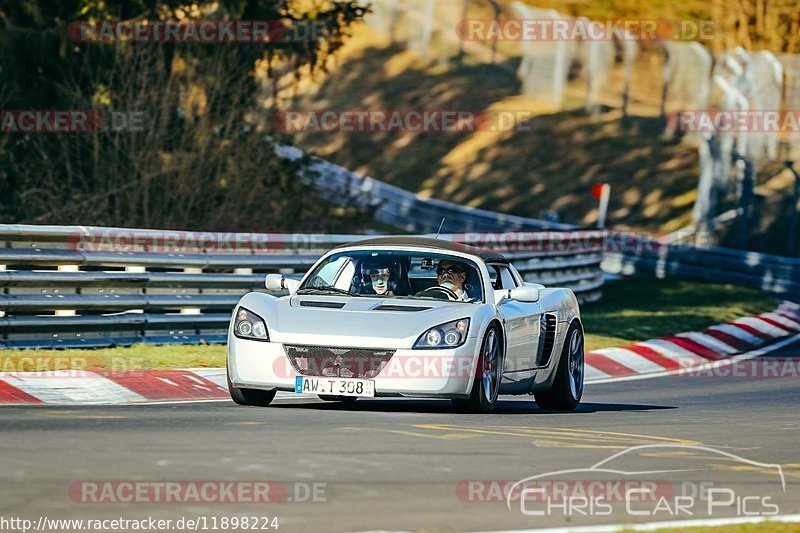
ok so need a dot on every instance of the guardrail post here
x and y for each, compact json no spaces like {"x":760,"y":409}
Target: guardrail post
{"x":66,"y":268}
{"x":192,"y":310}
{"x":2,"y":269}
{"x":136,"y":270}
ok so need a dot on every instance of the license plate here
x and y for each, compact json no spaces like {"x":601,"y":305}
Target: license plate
{"x":359,"y":388}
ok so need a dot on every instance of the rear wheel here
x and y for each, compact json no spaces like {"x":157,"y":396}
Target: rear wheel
{"x":567,"y":389}
{"x":487,"y":378}
{"x":258,"y":398}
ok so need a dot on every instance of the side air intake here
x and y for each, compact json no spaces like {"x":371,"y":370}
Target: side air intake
{"x":547,"y":338}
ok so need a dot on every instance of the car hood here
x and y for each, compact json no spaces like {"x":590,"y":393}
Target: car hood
{"x":360,"y":322}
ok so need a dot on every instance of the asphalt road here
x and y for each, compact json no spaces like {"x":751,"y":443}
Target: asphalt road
{"x":405,"y":464}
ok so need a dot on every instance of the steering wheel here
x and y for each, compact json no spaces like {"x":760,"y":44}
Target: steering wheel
{"x":437,"y":292}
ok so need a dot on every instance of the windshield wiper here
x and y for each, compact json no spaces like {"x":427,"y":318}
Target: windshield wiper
{"x":334,"y":290}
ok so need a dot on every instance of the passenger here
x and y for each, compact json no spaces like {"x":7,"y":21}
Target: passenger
{"x":376,"y":274}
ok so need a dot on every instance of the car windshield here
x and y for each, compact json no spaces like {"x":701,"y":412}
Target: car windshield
{"x":396,"y":275}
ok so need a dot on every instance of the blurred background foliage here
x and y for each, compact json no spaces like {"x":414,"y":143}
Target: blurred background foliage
{"x":204,"y":158}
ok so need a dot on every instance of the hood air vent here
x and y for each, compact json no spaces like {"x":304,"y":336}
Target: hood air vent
{"x":323,"y":305}
{"x":402,"y":308}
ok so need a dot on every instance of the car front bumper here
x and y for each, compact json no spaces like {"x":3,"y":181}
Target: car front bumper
{"x":413,"y":373}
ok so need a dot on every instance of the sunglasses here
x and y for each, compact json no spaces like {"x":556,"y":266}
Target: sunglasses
{"x":449,"y":270}
{"x":375,"y":271}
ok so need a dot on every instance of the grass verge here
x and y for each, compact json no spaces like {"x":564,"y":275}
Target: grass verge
{"x":137,"y":357}
{"x":637,"y":309}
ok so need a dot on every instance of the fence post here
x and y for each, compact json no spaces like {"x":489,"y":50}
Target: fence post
{"x":497,"y":21}
{"x":630,"y":49}
{"x":791,"y":250}
{"x":394,"y":17}
{"x":427,"y":27}
{"x":665,"y":85}
{"x":705,"y":204}
{"x":461,"y":37}
{"x":747,"y":183}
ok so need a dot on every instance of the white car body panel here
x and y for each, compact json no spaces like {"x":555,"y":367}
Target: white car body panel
{"x":359,"y":325}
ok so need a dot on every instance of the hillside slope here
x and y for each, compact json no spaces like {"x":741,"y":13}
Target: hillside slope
{"x":549,"y":163}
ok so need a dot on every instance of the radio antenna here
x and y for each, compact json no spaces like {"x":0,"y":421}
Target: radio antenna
{"x":440,"y":229}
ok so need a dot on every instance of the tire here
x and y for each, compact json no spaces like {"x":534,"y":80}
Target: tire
{"x":486,"y":387}
{"x":258,"y":398}
{"x":567,"y":389}
{"x":342,"y":399}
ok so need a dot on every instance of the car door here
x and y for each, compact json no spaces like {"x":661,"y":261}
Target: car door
{"x":521,"y":321}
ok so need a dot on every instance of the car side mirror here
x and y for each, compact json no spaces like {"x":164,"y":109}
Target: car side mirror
{"x":526,"y":293}
{"x":278,"y":283}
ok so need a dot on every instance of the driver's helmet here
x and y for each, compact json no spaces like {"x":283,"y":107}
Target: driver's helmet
{"x":378,"y":274}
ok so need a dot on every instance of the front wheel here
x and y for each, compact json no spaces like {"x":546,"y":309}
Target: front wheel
{"x":567,"y":389}
{"x":487,"y":378}
{"x":258,"y":398}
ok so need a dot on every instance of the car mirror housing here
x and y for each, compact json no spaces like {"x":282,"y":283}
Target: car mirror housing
{"x":278,"y":283}
{"x":525,"y":293}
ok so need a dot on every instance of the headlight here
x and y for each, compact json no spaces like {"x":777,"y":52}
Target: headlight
{"x":249,"y":325}
{"x":448,"y":335}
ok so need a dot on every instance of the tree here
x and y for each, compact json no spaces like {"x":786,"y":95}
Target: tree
{"x":202,"y":156}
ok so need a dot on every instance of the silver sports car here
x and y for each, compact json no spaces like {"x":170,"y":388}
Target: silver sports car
{"x":408,"y":317}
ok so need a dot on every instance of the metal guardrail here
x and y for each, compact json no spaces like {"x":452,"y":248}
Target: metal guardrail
{"x":400,"y":208}
{"x":94,"y":287}
{"x":769,"y":273}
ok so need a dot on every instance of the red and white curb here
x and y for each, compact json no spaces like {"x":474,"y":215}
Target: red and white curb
{"x":653,"y":357}
{"x":84,"y":387}
{"x":692,"y":349}
{"x":70,"y":387}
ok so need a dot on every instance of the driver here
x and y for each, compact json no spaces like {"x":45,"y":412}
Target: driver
{"x":376,"y":275}
{"x":452,"y":275}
